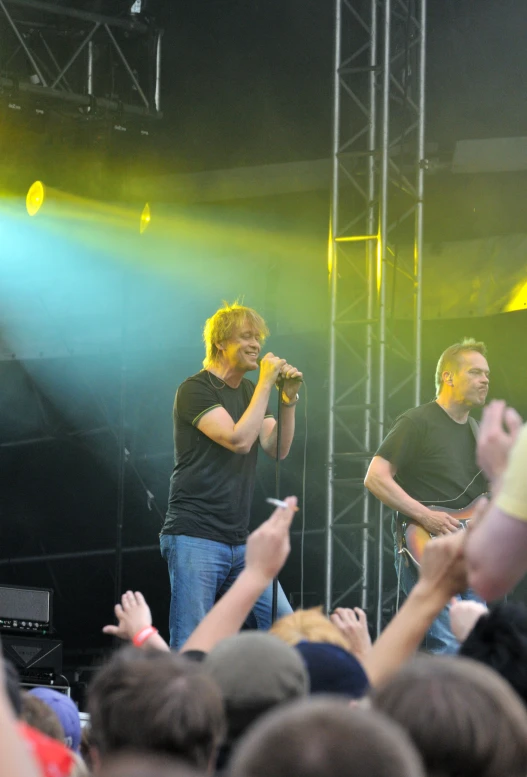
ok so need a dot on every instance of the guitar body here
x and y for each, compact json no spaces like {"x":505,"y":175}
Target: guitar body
{"x":415,"y":537}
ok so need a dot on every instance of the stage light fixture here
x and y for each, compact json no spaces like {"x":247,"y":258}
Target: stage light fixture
{"x":145,"y":218}
{"x":35,"y":197}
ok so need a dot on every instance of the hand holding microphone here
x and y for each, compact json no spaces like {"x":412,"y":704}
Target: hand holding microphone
{"x":278,"y":372}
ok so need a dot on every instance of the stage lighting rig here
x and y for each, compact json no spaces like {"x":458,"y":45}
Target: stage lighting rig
{"x":95,"y":57}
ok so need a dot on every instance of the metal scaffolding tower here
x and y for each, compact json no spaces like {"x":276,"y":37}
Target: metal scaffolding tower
{"x":378,"y":180}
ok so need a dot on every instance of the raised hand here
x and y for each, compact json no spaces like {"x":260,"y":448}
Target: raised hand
{"x":270,"y":368}
{"x":443,"y":567}
{"x":499,"y":429}
{"x":352,"y":623}
{"x":133,"y":615}
{"x":464,"y":614}
{"x":269,"y":545}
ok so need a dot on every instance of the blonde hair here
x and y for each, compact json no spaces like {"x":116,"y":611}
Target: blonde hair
{"x":449,"y":359}
{"x":310,"y":626}
{"x":222,"y":325}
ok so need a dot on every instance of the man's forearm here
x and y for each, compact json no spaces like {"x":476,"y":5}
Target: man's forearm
{"x":246,"y":431}
{"x":392,"y":495}
{"x":496,"y":553}
{"x":229,"y":613}
{"x":286,"y":437}
{"x":405,"y":632}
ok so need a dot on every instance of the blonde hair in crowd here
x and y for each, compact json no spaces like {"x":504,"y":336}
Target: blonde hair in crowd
{"x":310,"y":626}
{"x":449,"y":359}
{"x":222,"y":325}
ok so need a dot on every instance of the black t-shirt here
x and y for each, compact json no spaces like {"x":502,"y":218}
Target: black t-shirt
{"x":211,"y":488}
{"x":435,"y":457}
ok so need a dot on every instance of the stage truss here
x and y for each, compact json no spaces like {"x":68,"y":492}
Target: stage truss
{"x":378,"y":180}
{"x":85,"y":62}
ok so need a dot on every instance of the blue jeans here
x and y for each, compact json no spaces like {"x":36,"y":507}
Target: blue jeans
{"x":200,"y":572}
{"x":439,"y":638}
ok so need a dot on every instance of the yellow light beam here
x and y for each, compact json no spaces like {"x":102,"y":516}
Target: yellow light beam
{"x":146,"y":217}
{"x":35,"y":197}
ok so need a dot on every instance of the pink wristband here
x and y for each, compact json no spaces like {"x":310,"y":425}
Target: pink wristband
{"x":141,"y":636}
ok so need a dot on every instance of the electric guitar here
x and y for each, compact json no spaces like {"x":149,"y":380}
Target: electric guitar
{"x":415,"y":536}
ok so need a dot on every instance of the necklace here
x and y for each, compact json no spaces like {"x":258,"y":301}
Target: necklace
{"x":218,"y":388}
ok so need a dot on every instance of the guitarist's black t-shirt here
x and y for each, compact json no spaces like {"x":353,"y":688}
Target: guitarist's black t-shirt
{"x":435,"y":457}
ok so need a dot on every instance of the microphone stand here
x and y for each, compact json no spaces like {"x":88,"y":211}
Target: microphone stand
{"x":280,"y":383}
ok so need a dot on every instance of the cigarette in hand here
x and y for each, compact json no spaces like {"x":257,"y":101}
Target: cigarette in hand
{"x":279,"y":503}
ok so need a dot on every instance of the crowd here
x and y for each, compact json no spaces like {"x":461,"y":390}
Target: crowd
{"x":313,"y":696}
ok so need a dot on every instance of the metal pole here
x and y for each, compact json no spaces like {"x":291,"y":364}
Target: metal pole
{"x":72,"y":59}
{"x":370,"y":270}
{"x":333,"y":310}
{"x":419,"y":221}
{"x":382,"y":268}
{"x":127,"y":66}
{"x":157,"y":96}
{"x":90,"y":67}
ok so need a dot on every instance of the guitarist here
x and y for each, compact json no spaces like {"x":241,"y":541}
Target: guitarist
{"x":429,"y":458}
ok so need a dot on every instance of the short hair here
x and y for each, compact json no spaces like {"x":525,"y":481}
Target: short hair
{"x":449,"y":359}
{"x":463,"y":718}
{"x":308,"y":625}
{"x":156,"y":701}
{"x":37,"y":714}
{"x":223,"y":324}
{"x":499,"y":640}
{"x":325,"y":738}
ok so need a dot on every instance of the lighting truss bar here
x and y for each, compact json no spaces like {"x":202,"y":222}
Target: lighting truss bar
{"x":132,"y":25}
{"x":79,"y":82}
{"x":378,"y":153}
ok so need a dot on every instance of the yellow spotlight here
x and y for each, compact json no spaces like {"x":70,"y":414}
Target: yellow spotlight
{"x":145,"y":218}
{"x":35,"y":197}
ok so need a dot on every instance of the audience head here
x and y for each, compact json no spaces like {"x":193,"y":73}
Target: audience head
{"x":499,"y":640}
{"x":255,"y":672}
{"x":158,"y":702}
{"x":325,"y":737}
{"x":146,"y":765}
{"x":308,"y":626}
{"x":463,"y":718}
{"x":66,"y":711}
{"x":333,"y":670}
{"x":37,"y":714}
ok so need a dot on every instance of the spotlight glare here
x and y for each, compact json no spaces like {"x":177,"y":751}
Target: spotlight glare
{"x":145,"y":218}
{"x":35,"y":197}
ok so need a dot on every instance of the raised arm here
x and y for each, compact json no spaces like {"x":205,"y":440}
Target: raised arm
{"x":442,"y":575}
{"x":267,"y":550}
{"x":380,"y":480}
{"x":497,"y":546}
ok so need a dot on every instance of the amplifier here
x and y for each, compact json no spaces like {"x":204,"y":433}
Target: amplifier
{"x":34,"y":657}
{"x":24,"y":609}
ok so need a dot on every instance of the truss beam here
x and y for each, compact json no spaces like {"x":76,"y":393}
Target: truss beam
{"x":109,"y":64}
{"x":378,"y":184}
